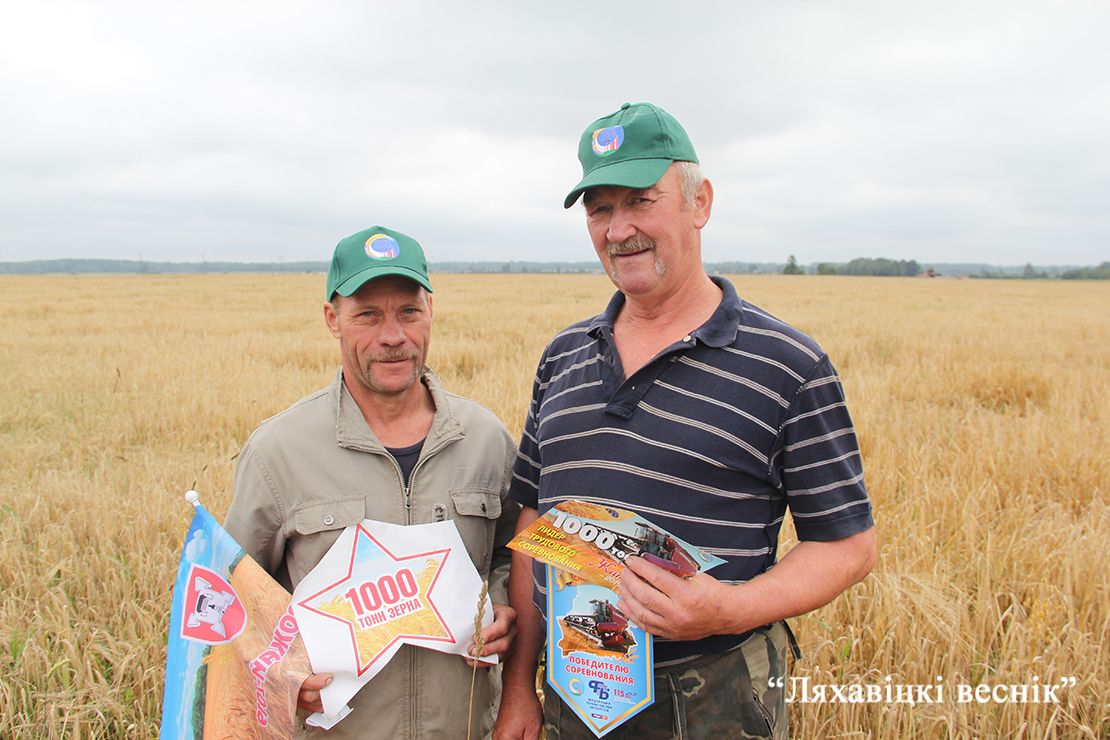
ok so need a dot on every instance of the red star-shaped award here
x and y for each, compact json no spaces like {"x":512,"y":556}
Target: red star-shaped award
{"x":384,"y":600}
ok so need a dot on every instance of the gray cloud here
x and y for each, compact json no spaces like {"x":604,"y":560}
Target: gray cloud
{"x":255,"y":131}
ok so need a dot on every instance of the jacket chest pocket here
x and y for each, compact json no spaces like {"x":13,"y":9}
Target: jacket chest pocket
{"x":335,"y":513}
{"x":475,"y":512}
{"x":318,"y":525}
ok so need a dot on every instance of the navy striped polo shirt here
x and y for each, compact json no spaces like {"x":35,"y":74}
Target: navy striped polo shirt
{"x":711,"y":440}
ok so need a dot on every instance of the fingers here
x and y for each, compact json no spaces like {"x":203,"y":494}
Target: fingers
{"x":648,"y":588}
{"x":640,"y":600}
{"x":504,"y":622}
{"x":666,"y":605}
{"x":499,"y":636}
{"x":309,"y":696}
{"x":662,"y":580}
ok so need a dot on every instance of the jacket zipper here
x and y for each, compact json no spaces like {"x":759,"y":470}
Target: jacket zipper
{"x":424,"y":455}
{"x":406,"y":490}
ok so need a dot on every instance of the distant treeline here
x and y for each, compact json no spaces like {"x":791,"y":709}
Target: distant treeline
{"x":881,"y":266}
{"x":116,"y":267}
{"x":1102,"y":272}
{"x":862,"y":266}
{"x":124,"y":267}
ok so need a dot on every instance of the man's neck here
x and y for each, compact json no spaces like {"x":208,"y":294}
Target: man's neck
{"x":694,"y":301}
{"x":647,"y":325}
{"x":397,"y":420}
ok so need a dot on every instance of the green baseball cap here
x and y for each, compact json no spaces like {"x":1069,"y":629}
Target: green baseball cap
{"x":374,"y":253}
{"x":631,"y":148}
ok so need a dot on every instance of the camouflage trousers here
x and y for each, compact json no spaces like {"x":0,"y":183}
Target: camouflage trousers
{"x":728,"y":695}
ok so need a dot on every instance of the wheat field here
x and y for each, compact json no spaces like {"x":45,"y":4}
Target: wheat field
{"x":982,"y":407}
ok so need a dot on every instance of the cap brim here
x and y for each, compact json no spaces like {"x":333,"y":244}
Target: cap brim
{"x":630,"y":173}
{"x":351,"y":285}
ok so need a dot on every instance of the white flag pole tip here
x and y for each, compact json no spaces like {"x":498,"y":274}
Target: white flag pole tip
{"x":192,"y":497}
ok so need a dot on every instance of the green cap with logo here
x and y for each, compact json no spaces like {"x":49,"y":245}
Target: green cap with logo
{"x":631,"y":148}
{"x":374,"y":253}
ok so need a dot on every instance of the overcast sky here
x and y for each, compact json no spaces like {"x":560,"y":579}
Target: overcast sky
{"x":261,"y":131}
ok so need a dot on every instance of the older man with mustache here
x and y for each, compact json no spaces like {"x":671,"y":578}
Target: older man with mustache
{"x":707,"y":416}
{"x":387,"y":442}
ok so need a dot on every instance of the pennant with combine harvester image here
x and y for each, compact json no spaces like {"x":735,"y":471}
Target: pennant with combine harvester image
{"x":235,"y":661}
{"x":381,"y":586}
{"x":598,"y":661}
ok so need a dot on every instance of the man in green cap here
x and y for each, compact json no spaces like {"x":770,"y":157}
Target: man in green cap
{"x":706,"y":416}
{"x":386,"y":442}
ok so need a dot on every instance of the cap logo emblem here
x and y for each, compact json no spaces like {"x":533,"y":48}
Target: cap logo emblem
{"x":382,"y":246}
{"x":608,"y":140}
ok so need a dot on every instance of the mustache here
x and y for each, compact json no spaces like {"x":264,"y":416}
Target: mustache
{"x":393,"y":355}
{"x":630,"y":245}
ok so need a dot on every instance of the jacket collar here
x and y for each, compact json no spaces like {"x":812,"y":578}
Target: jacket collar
{"x":351,"y":429}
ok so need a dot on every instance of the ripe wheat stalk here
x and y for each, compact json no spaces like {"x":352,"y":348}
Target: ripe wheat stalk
{"x":479,"y":644}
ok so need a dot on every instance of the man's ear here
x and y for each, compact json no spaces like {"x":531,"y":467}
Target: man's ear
{"x":331,"y":318}
{"x":703,"y":204}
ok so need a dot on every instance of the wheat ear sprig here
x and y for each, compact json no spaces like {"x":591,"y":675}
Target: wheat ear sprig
{"x":479,"y":643}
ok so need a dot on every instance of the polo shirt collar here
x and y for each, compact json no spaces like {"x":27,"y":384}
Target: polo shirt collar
{"x":719,"y":331}
{"x":607,"y":318}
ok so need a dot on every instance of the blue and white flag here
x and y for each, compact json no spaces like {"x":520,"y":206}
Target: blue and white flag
{"x":235,"y":660}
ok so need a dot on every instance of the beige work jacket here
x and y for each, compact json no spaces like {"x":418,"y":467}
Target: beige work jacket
{"x":316,"y":468}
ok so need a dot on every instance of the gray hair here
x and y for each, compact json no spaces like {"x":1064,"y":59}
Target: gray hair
{"x":690,"y":178}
